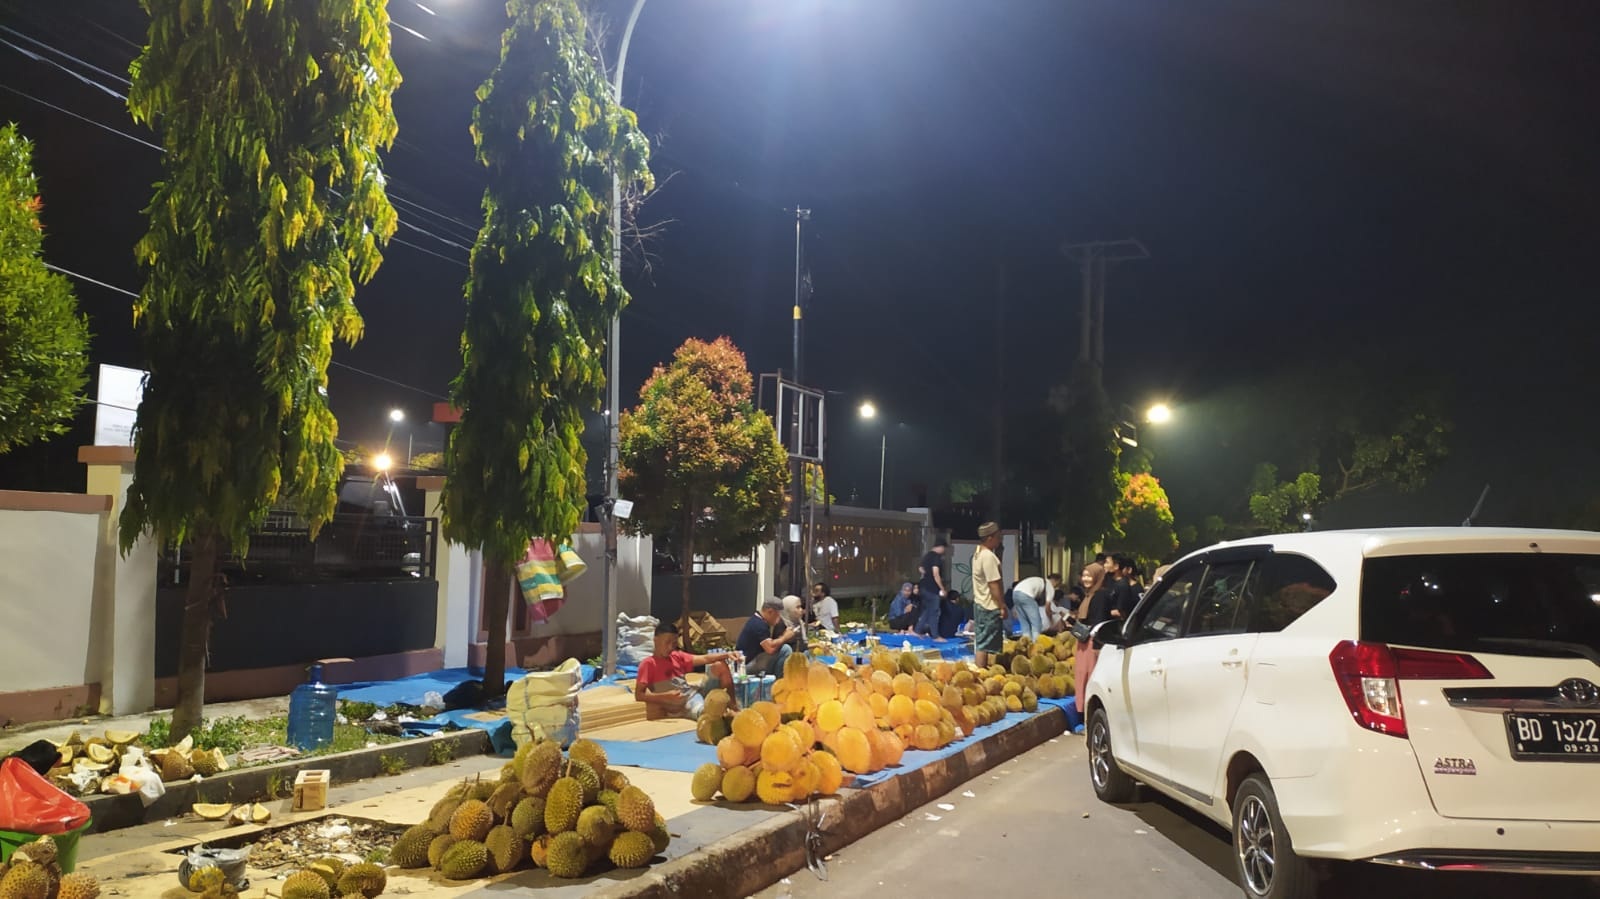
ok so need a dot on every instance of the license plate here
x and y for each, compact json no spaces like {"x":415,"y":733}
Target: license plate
{"x":1557,"y":736}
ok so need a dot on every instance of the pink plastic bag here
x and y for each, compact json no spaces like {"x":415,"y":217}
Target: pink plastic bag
{"x":31,"y":804}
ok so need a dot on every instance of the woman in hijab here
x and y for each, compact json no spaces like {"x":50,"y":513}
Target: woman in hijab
{"x":1093,"y":611}
{"x":903,"y":611}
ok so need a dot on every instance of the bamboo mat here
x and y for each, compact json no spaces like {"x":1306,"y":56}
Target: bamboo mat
{"x":640,"y":731}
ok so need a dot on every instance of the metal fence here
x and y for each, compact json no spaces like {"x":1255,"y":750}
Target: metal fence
{"x":349,"y":545}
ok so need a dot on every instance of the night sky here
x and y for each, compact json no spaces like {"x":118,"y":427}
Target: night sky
{"x":1414,"y":185}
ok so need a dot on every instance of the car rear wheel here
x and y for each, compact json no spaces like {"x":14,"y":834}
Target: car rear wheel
{"x":1268,"y":866}
{"x":1111,"y":783}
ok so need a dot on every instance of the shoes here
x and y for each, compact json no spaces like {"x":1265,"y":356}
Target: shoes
{"x":1078,"y":731}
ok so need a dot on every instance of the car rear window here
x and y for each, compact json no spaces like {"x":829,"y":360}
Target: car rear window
{"x":1511,"y":603}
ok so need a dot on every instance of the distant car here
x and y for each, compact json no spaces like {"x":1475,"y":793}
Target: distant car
{"x":370,"y":534}
{"x":1421,"y":698}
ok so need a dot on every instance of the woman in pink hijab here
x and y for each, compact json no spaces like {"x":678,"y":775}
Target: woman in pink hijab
{"x":1092,"y":611}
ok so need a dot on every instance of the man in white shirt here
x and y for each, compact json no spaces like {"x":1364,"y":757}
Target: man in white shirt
{"x":824,"y":607}
{"x":1029,"y":596}
{"x":988,"y":605}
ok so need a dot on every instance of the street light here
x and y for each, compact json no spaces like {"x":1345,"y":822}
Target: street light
{"x":1158,"y":414}
{"x":382,"y":462}
{"x":868,"y":411}
{"x":397,"y":415}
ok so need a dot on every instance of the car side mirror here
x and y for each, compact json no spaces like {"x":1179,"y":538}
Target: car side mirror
{"x":1109,"y":634}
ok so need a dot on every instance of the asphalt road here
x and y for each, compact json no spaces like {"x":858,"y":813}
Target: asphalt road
{"x":1034,"y":824}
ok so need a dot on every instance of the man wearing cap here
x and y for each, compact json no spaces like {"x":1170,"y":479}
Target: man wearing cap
{"x":764,"y":642}
{"x":663,"y":683}
{"x":935,"y":584}
{"x":988,"y":607}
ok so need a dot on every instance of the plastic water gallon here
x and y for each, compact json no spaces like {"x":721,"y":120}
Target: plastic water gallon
{"x":312,"y":707}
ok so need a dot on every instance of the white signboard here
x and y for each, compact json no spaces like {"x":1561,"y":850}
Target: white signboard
{"x":117,"y":401}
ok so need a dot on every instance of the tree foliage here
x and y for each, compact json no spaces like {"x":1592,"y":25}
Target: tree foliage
{"x":1144,"y":522}
{"x":1281,"y":505}
{"x":706,"y":466}
{"x":1066,"y":455}
{"x":43,"y":339}
{"x":270,"y":211}
{"x":542,"y":288}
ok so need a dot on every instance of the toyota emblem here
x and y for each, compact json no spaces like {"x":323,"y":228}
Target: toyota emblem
{"x":1577,"y":691}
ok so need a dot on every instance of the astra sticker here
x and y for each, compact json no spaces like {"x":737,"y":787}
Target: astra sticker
{"x":1454,"y":766}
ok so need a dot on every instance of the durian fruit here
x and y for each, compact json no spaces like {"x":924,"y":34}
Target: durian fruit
{"x":204,"y":762}
{"x":635,"y":809}
{"x":567,"y":855}
{"x":750,"y":728}
{"x":585,"y":775}
{"x":78,"y":885}
{"x":539,"y":850}
{"x":25,"y":880}
{"x":211,"y":811}
{"x":659,"y":835}
{"x":598,"y":827}
{"x":707,"y":781}
{"x":910,"y":663}
{"x":1030,"y":702}
{"x":592,"y":754}
{"x":464,"y":860}
{"x":438,"y":847}
{"x":608,"y":798}
{"x":439,"y":817}
{"x":1013,"y":703}
{"x":772,"y":787}
{"x":717,"y":702}
{"x":205,"y":878}
{"x":738,"y":784}
{"x":411,"y":850}
{"x":365,"y":878}
{"x":780,"y":751}
{"x":482,"y":790}
{"x":563,"y":805}
{"x":730,"y":752}
{"x":632,"y":850}
{"x":508,"y":772}
{"x":329,"y":870}
{"x":613,"y":780}
{"x":506,"y":849}
{"x":504,"y":799}
{"x":176,"y":766}
{"x":471,"y":821}
{"x":541,"y":768}
{"x":306,"y":885}
{"x":527,"y":819}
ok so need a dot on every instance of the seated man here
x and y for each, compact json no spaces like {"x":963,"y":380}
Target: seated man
{"x":663,"y":683}
{"x":905,"y":609}
{"x":766,"y":641}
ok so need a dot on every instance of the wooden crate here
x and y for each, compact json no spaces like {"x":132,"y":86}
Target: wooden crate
{"x":311,"y":790}
{"x":706,"y":632}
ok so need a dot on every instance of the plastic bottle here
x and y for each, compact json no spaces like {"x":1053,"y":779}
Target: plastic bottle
{"x":312,"y":708}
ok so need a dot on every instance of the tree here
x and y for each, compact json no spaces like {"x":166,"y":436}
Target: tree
{"x":541,"y":292}
{"x":43,"y":339}
{"x":1282,"y":505}
{"x":270,"y":210}
{"x":1067,"y":453}
{"x":1144,"y":518}
{"x":707,"y":466}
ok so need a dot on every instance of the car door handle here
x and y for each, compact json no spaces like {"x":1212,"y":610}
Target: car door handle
{"x":1233,"y":663}
{"x":1156,"y":668}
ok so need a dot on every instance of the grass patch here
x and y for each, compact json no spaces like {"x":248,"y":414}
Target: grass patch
{"x":441,"y":753}
{"x":392,"y":764}
{"x":233,"y":735}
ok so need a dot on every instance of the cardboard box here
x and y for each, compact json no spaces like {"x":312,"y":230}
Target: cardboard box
{"x":311,"y":790}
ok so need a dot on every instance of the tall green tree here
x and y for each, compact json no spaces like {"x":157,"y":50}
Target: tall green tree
{"x":540,"y":295}
{"x":270,"y":211}
{"x":705,"y":465}
{"x":43,"y":339}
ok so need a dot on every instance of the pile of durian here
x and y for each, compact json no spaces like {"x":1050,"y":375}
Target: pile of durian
{"x":569,"y":814}
{"x":34,"y":872}
{"x":92,"y":765}
{"x":825,"y":720}
{"x":324,"y":879}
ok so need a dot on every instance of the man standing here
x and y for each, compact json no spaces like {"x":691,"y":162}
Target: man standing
{"x":1125,"y":589}
{"x":987,"y":604}
{"x":935,"y":577}
{"x":824,"y":608}
{"x":764,"y":641}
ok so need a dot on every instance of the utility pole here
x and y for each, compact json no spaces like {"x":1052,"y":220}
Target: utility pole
{"x":1094,"y":259}
{"x":998,"y":476}
{"x":798,"y":560}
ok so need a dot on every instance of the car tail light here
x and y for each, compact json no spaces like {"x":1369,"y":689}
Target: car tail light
{"x":1369,"y":676}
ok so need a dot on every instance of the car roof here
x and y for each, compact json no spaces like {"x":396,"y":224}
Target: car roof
{"x":1373,"y":542}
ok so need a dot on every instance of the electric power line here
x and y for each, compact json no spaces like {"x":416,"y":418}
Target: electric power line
{"x":58,"y":51}
{"x":82,"y":118}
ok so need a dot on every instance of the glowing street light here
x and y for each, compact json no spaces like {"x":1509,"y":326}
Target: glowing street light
{"x":397,"y":415}
{"x":868,"y":410}
{"x":1159,"y":414}
{"x":382,"y":462}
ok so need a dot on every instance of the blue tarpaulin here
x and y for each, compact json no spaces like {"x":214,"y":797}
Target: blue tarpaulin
{"x":413,"y":690}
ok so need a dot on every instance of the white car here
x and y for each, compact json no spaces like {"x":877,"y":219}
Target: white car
{"x":1422,"y":698}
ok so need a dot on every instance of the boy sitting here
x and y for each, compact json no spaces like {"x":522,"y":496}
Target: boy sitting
{"x":663,"y":684}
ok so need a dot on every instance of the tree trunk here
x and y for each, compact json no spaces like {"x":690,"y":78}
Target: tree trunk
{"x":496,"y":605}
{"x":196,"y":636}
{"x":687,"y":563}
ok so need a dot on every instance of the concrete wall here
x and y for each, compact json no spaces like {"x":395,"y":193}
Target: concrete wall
{"x":723,"y":595}
{"x":55,"y":602}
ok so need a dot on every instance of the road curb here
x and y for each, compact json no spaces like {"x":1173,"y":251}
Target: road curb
{"x":756,"y":858}
{"x":112,"y":812}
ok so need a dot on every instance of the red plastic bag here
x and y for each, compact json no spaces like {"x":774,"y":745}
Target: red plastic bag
{"x":31,"y":804}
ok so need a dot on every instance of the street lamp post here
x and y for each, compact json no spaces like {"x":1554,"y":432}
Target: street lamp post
{"x":608,"y":524}
{"x":397,"y":416}
{"x":868,"y":412}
